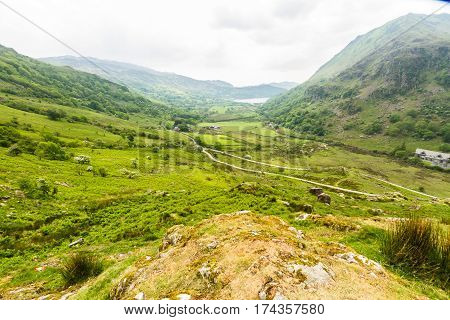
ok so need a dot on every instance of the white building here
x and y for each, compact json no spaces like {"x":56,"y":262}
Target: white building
{"x":439,"y":159}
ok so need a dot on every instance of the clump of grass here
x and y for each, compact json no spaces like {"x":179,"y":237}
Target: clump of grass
{"x":419,"y":246}
{"x":79,"y":267}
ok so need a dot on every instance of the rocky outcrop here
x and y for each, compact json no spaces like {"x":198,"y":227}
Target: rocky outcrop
{"x":249,"y":256}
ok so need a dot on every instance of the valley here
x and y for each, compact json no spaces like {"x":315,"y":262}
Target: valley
{"x":112,"y":190}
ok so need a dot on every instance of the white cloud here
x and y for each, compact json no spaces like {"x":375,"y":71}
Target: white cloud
{"x":242,"y":42}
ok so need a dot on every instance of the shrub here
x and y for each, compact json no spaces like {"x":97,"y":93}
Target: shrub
{"x":14,"y":150}
{"x":394,"y":118}
{"x":445,"y":147}
{"x":413,"y":113}
{"x":374,"y":128}
{"x":37,"y":189}
{"x":129,"y":174}
{"x":445,"y":132}
{"x":48,"y":137}
{"x":81,"y":159}
{"x":79,"y":267}
{"x":419,"y":246}
{"x":55,"y":114}
{"x":50,"y":151}
{"x":102,"y":172}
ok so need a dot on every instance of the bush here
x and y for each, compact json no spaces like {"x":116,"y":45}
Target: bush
{"x":445,"y":147}
{"x":102,"y":172}
{"x":129,"y":174}
{"x":37,"y":189}
{"x":79,"y":267}
{"x":394,"y":118}
{"x":81,"y":159}
{"x":418,"y":246}
{"x":413,"y":113}
{"x":374,"y":128}
{"x":55,"y":114}
{"x":445,"y":132}
{"x":14,"y":150}
{"x":50,"y":151}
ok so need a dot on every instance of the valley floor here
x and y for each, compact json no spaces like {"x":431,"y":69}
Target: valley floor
{"x":127,"y":216}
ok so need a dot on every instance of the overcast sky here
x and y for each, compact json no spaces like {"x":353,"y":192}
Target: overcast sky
{"x":240,"y":41}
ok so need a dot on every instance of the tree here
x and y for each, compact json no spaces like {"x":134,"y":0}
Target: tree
{"x":50,"y":151}
{"x":55,"y":114}
{"x":445,"y":132}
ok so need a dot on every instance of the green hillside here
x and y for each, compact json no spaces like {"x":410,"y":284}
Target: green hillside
{"x":378,"y":92}
{"x":169,"y":87}
{"x":101,"y":199}
{"x":24,"y":77}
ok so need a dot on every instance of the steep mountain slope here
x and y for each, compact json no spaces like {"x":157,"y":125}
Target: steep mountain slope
{"x":386,"y":83}
{"x":168,"y":87}
{"x":23,"y":77}
{"x":435,"y":27}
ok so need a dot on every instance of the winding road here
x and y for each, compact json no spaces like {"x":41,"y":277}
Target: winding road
{"x":212,"y":158}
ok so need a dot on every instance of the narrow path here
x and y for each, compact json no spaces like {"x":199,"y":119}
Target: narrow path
{"x":401,"y":187}
{"x":257,"y":162}
{"x":288,"y":177}
{"x":210,"y":156}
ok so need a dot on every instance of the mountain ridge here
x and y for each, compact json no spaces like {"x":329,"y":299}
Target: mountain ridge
{"x":169,"y":87}
{"x":25,"y":77}
{"x":397,"y":90}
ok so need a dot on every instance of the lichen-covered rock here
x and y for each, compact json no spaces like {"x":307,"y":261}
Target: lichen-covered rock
{"x":298,"y":233}
{"x":259,"y":257}
{"x":173,"y":236}
{"x":324,"y":198}
{"x":355,"y":258}
{"x":316,"y":276}
{"x":315,"y":191}
{"x":140,"y":296}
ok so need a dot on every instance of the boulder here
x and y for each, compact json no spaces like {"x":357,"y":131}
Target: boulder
{"x":140,"y":296}
{"x":316,"y":191}
{"x":76,"y":242}
{"x":324,"y":198}
{"x":307,"y":208}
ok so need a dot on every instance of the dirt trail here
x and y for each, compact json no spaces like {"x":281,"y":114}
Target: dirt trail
{"x":288,"y":177}
{"x":210,"y":156}
{"x":257,"y":162}
{"x":401,"y":187}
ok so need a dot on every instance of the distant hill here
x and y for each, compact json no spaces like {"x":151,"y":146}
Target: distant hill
{"x":284,"y":85}
{"x":385,"y":87}
{"x":24,"y":77}
{"x":168,"y":87}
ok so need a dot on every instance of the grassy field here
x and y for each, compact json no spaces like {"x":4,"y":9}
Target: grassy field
{"x":154,"y":182}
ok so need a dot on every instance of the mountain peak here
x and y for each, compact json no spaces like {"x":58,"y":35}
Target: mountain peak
{"x":404,"y":28}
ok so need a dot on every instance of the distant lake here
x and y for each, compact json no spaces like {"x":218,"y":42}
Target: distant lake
{"x":253,"y":100}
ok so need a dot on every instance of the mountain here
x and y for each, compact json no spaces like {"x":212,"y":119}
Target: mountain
{"x":386,"y":86}
{"x":284,"y":85}
{"x":168,"y":87}
{"x":24,"y":77}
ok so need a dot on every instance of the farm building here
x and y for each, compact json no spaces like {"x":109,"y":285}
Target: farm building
{"x":439,"y":159}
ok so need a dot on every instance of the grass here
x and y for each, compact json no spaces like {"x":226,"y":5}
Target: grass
{"x":176,"y":184}
{"x":419,"y":246}
{"x":79,"y":267}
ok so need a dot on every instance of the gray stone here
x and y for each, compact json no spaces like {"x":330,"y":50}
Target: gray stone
{"x":140,"y":296}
